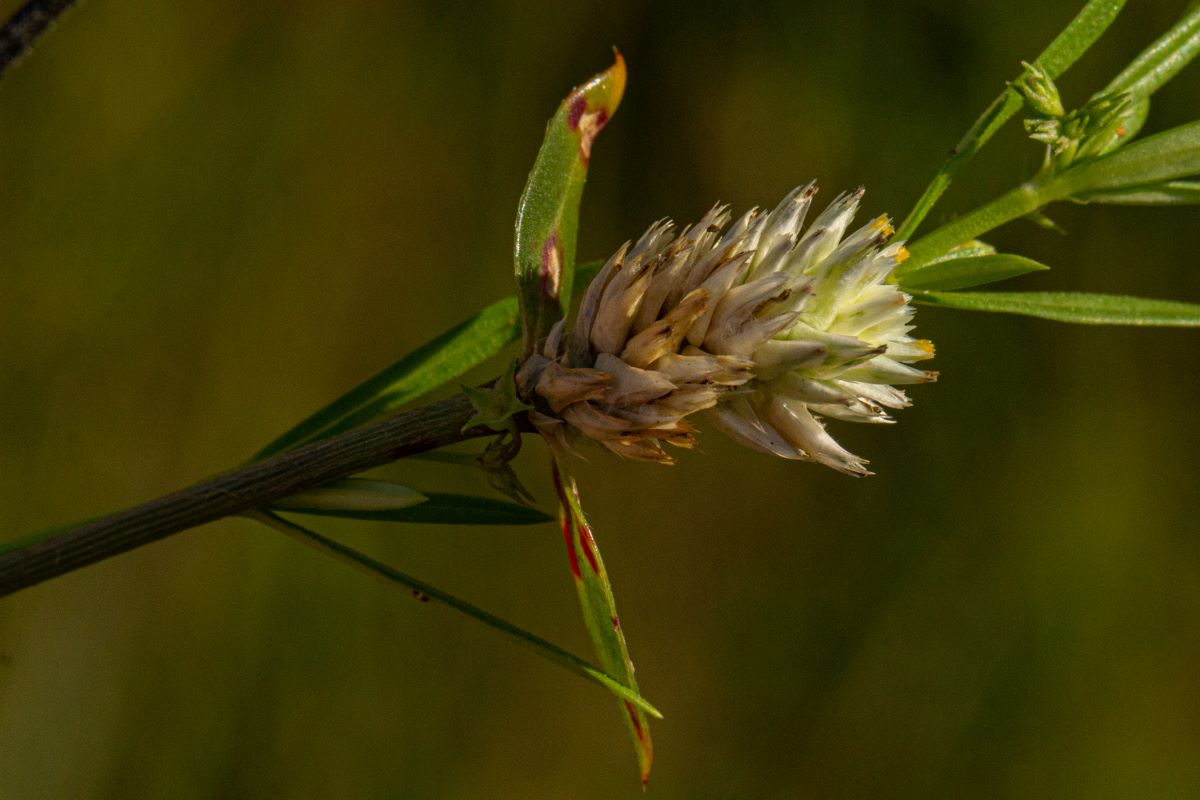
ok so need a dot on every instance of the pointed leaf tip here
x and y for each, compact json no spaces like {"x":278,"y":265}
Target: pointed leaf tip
{"x":548,"y":214}
{"x":601,"y":95}
{"x":600,"y":611}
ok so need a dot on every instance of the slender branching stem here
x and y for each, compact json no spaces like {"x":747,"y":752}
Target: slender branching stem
{"x":47,"y":555}
{"x":1019,"y":202}
{"x":424,"y":591}
{"x":25,"y":27}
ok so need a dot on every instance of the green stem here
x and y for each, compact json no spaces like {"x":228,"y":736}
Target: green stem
{"x":1023,"y":200}
{"x":46,"y":555}
{"x":999,"y":112}
{"x":377,"y":569}
{"x":1066,"y":48}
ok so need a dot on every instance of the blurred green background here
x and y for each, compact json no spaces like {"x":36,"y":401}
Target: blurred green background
{"x":216,"y":216}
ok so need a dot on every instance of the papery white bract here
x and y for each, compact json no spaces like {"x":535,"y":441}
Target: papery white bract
{"x":767,"y":324}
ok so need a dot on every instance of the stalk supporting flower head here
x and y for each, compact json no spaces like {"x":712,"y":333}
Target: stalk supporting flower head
{"x":767,"y":325}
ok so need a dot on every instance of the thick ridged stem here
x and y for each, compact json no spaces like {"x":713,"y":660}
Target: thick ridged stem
{"x":37,"y":558}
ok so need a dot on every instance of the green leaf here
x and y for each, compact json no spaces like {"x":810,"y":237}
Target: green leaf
{"x":1088,"y":309}
{"x":1079,"y":35}
{"x":1066,"y":48}
{"x":439,"y":508}
{"x":960,"y":273}
{"x":600,"y":611}
{"x":1167,"y":193}
{"x":440,"y":360}
{"x":1163,"y":157}
{"x":548,"y":214}
{"x":354,"y":495}
{"x":1162,"y":60}
{"x":426,"y":592}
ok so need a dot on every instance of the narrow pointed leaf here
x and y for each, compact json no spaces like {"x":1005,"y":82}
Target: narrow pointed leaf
{"x":600,"y":611}
{"x":439,"y":508}
{"x":437,"y":361}
{"x":963,"y":272}
{"x":1162,"y":60}
{"x":1167,"y":193}
{"x":1088,"y":309}
{"x":426,"y":592}
{"x":1080,"y":34}
{"x":548,"y":214}
{"x":354,"y":495}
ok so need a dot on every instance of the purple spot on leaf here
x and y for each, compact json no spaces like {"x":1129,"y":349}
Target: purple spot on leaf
{"x":551,"y":267}
{"x":578,"y":106}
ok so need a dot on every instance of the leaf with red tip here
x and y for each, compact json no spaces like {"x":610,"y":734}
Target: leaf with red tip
{"x":600,"y":611}
{"x":548,"y":214}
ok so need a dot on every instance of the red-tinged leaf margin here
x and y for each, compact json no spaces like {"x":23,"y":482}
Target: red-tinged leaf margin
{"x":548,"y":213}
{"x":600,"y":610}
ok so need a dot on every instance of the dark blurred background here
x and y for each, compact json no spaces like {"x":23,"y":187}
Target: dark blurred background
{"x":216,"y":216}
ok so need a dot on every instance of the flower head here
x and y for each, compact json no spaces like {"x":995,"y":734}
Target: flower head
{"x":766,"y":324}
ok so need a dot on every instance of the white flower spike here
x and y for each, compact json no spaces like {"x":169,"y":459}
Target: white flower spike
{"x":768,"y":327}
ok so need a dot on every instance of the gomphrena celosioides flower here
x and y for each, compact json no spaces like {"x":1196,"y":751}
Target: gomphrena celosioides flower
{"x":766,"y":325}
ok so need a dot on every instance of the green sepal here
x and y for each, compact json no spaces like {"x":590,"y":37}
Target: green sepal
{"x":1039,"y":90}
{"x":495,"y":406}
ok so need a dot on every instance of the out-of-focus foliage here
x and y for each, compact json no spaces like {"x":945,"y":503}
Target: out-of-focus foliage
{"x":216,"y":217}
